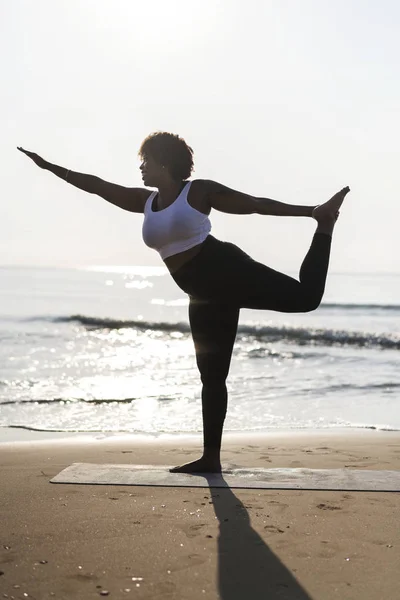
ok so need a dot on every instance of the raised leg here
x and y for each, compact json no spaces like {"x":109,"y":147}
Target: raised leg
{"x":252,"y":284}
{"x":214,"y":328}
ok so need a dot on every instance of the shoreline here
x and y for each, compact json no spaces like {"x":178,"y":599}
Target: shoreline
{"x":22,"y":436}
{"x":19,"y":437}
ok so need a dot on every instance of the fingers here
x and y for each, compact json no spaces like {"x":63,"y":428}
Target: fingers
{"x":30,"y":154}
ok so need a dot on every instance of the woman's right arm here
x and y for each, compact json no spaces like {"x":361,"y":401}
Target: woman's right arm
{"x":130,"y":199}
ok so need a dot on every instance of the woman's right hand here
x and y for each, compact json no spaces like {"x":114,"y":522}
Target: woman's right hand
{"x":35,"y":157}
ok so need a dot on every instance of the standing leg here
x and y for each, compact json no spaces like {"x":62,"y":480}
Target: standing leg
{"x":214,"y":328}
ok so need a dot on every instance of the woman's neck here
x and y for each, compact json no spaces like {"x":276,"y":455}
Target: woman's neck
{"x":168,"y":192}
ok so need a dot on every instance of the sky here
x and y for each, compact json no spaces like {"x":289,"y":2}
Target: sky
{"x":285,"y":99}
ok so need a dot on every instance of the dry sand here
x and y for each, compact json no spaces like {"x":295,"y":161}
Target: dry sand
{"x":81,"y":541}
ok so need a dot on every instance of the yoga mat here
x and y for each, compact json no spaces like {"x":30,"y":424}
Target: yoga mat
{"x":246,"y":478}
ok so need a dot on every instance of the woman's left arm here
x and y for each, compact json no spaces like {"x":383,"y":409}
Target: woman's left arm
{"x":233,"y":202}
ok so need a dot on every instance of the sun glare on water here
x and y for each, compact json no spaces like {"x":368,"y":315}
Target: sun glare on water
{"x":141,"y":271}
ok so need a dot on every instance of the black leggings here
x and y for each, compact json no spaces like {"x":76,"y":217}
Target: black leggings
{"x":221,"y":280}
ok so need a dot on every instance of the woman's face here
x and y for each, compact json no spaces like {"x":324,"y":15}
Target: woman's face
{"x":151,"y":171}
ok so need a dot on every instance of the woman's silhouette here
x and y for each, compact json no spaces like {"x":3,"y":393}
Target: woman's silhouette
{"x":218,"y":277}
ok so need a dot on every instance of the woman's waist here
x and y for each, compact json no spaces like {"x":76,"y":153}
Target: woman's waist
{"x":175,"y":262}
{"x":184,"y":262}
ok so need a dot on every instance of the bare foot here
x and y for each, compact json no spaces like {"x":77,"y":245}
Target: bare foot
{"x":329,"y":211}
{"x":203,"y":465}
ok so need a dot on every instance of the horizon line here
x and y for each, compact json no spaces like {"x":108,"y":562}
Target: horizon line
{"x":161,"y":267}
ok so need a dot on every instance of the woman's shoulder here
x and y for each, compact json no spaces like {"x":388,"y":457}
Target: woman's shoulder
{"x":198,"y":195}
{"x":201,"y":187}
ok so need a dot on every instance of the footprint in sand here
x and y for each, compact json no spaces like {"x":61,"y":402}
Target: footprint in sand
{"x":323,"y":506}
{"x":83,"y":577}
{"x":187,"y":562}
{"x":265,"y":458}
{"x":273,"y":529}
{"x":327,"y":553}
{"x":192,"y":531}
{"x":278,"y":504}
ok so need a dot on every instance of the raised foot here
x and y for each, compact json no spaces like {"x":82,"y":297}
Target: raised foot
{"x":329,"y":211}
{"x":203,"y":465}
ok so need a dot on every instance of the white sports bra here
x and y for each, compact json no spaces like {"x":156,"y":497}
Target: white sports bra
{"x":176,"y":228}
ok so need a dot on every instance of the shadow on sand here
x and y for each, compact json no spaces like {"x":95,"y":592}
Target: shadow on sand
{"x":247,"y":567}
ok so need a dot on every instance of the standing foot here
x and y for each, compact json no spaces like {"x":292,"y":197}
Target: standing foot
{"x":203,"y":465}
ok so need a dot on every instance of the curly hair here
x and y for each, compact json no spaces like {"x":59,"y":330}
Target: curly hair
{"x":169,"y":150}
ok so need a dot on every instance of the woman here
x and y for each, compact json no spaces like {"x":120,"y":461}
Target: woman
{"x":218,"y":276}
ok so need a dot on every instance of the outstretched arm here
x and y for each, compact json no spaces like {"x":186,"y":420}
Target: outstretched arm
{"x":130,"y":199}
{"x":230,"y":201}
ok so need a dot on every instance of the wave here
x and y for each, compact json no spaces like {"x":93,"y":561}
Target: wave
{"x":324,"y":337}
{"x":330,"y":337}
{"x":381,"y":428}
{"x":52,"y":430}
{"x":374,"y":427}
{"x":343,"y":387}
{"x":104,"y":323}
{"x":74,"y":400}
{"x":292,"y":335}
{"x":389,"y":386}
{"x":346,"y":307}
{"x":265,"y":352}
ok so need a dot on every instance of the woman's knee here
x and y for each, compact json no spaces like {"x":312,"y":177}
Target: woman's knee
{"x":213,"y":364}
{"x":304,"y":301}
{"x":214,"y":375}
{"x":214,"y":380}
{"x":310,"y":303}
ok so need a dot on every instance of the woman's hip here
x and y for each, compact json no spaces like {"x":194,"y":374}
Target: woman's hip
{"x":213,"y":273}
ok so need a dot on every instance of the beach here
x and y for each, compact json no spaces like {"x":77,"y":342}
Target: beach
{"x":100,"y":368}
{"x":84,"y":541}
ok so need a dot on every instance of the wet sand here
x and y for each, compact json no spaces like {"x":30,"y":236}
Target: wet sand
{"x":87,"y":541}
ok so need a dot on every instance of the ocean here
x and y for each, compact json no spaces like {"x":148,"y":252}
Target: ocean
{"x":108,"y":349}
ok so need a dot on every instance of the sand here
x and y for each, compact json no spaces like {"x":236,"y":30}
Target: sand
{"x":86,"y":541}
